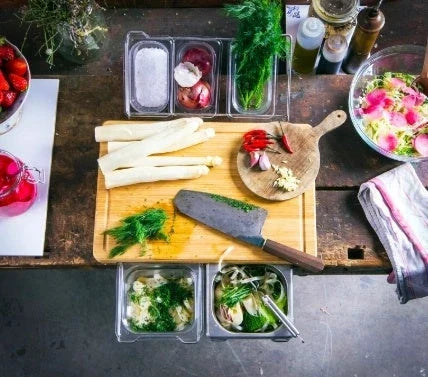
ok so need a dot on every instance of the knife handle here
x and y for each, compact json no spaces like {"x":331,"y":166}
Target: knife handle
{"x":295,"y":257}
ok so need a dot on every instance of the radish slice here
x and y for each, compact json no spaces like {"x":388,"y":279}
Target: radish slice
{"x":376,"y":97}
{"x":421,"y":144}
{"x":397,"y":83}
{"x":409,"y":101}
{"x":420,"y":99}
{"x":388,"y":142}
{"x":373,"y":111}
{"x":397,"y":119}
{"x":412,"y":117}
{"x":387,"y":102}
{"x":409,"y":90}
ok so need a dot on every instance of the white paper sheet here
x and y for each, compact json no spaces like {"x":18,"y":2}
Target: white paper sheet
{"x":31,"y":141}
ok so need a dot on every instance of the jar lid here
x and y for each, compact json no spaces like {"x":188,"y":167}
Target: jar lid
{"x":336,"y":11}
{"x":371,"y":19}
{"x":11,"y":170}
{"x":311,"y":33}
{"x":335,"y":48}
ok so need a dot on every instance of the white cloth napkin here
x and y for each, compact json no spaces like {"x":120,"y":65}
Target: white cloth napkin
{"x":396,"y":205}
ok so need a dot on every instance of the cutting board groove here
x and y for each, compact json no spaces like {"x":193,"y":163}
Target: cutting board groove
{"x":290,"y":222}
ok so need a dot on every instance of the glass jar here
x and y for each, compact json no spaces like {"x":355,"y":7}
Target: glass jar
{"x":18,"y":187}
{"x":339,"y":16}
{"x":83,"y":40}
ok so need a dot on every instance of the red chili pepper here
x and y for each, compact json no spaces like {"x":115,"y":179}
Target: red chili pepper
{"x":286,"y":144}
{"x":255,"y":133}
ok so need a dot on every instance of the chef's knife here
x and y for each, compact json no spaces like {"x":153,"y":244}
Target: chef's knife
{"x":242,"y":221}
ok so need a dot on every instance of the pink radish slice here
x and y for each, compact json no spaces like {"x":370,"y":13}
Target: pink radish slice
{"x":421,"y":144}
{"x":409,"y":101}
{"x":388,"y":142}
{"x":420,"y":99}
{"x":397,"y":83}
{"x":409,"y":90}
{"x":387,"y":102}
{"x":376,"y":97}
{"x":412,"y":117}
{"x":397,"y":119}
{"x":373,"y":112}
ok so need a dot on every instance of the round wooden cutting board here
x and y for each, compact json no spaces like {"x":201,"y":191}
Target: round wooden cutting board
{"x":304,"y":161}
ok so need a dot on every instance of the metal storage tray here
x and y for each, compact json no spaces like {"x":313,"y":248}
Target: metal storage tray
{"x":215,"y":331}
{"x":223,"y":65}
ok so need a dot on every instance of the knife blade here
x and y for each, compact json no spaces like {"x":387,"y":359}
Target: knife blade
{"x":240,"y":220}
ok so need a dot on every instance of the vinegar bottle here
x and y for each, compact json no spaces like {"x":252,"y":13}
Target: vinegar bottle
{"x":333,"y":52}
{"x":309,"y":38}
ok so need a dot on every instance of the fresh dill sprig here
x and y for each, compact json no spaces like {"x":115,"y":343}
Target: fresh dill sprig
{"x":258,"y":40}
{"x":137,"y":229}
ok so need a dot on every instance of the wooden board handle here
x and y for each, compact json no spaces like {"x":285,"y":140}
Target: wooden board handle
{"x":330,"y":122}
{"x":296,"y":257}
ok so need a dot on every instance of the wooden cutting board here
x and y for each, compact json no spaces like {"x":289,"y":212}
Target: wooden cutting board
{"x":290,"y":222}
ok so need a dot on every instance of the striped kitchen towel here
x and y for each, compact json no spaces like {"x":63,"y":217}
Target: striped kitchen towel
{"x":396,"y":205}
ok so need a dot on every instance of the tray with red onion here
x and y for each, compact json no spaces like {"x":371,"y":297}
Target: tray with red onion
{"x":180,"y":76}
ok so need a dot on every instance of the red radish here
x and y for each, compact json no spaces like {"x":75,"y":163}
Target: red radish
{"x":397,"y":119}
{"x":198,"y":96}
{"x":387,"y":102}
{"x":199,"y":57}
{"x":376,"y":97}
{"x":421,"y":144}
{"x":388,"y":142}
{"x":412,"y":117}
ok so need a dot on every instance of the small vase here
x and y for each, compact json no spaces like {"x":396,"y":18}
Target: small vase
{"x":84,"y":42}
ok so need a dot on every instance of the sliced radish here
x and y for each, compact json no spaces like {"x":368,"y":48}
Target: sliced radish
{"x":412,"y":117}
{"x":397,"y":83}
{"x":387,"y":102}
{"x":421,"y":144}
{"x":409,"y":90}
{"x":409,"y":101}
{"x":397,"y":119}
{"x":376,"y":97}
{"x":388,"y":142}
{"x":373,"y":112}
{"x":420,"y":99}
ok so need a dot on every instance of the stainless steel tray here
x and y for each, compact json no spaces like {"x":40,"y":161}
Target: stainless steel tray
{"x":216,"y":331}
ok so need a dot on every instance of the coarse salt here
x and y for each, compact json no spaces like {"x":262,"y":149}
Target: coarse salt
{"x":151,"y":77}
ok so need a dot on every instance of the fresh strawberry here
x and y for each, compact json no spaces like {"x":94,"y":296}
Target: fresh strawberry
{"x":9,"y":98}
{"x":6,"y":52}
{"x":19,"y":83}
{"x":17,"y":66}
{"x":4,"y":85}
{"x":1,"y":99}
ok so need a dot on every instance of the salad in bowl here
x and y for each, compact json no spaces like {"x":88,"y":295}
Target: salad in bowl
{"x":395,"y":114}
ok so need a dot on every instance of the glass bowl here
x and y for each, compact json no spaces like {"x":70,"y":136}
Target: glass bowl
{"x":403,"y":58}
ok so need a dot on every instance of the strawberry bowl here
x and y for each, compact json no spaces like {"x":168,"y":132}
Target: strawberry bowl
{"x":15,"y":81}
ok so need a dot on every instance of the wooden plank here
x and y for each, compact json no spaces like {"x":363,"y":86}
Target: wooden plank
{"x":290,"y":222}
{"x":213,"y":22}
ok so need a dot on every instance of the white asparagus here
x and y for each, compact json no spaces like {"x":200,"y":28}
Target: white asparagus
{"x":174,"y":161}
{"x":138,"y":131}
{"x":195,"y":138}
{"x":132,"y":176}
{"x":151,"y":145}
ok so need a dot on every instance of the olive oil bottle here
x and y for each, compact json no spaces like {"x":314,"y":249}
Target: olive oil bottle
{"x":309,"y":38}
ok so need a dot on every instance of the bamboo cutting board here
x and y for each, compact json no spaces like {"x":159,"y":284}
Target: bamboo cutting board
{"x":290,"y":222}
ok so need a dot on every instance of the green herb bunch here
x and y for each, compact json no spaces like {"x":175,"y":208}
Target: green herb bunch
{"x":73,"y":20}
{"x":258,"y":40}
{"x":137,"y":229}
{"x":162,"y":299}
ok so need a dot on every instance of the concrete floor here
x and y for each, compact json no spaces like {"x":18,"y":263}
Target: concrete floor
{"x":61,"y":323}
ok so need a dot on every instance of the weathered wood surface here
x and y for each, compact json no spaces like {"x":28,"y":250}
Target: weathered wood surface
{"x":85,"y":102}
{"x":161,"y":3}
{"x":410,"y":29}
{"x":93,"y":93}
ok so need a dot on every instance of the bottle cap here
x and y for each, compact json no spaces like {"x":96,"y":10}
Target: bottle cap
{"x":335,"y":48}
{"x":310,"y":33}
{"x":370,"y":19}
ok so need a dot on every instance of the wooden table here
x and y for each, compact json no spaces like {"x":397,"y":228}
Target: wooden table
{"x":93,"y":93}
